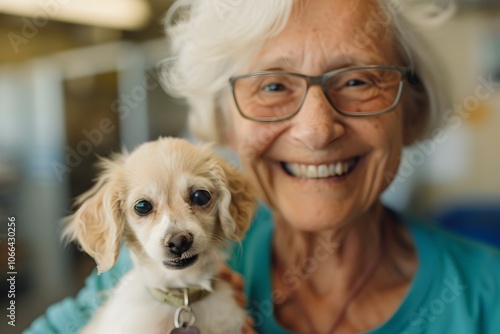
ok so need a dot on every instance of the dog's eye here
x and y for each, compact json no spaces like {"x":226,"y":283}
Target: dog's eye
{"x":201,"y":197}
{"x":143,"y":207}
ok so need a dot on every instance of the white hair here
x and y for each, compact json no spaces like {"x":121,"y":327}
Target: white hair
{"x":212,"y":39}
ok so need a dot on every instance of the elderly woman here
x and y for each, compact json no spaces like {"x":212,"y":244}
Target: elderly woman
{"x":318,"y":98}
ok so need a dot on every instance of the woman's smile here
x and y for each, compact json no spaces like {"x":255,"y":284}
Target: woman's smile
{"x":336,"y":170}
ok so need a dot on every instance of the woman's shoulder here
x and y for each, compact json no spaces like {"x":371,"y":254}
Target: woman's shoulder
{"x":262,"y":223}
{"x":462,"y":265}
{"x":255,"y":243}
{"x":450,"y":246}
{"x":455,"y":287}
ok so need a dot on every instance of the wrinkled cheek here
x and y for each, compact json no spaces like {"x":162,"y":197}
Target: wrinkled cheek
{"x":393,"y":161}
{"x":391,"y":171}
{"x":254,"y":139}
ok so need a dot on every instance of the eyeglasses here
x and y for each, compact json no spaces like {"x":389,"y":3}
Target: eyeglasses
{"x":353,"y":91}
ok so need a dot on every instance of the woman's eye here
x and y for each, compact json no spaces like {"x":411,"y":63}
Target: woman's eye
{"x":201,"y":198}
{"x":355,"y":82}
{"x":274,"y":87}
{"x":143,"y":207}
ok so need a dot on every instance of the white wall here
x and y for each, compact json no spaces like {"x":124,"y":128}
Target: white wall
{"x":467,"y":165}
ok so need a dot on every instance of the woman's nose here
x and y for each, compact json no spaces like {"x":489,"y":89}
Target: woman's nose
{"x":317,"y":124}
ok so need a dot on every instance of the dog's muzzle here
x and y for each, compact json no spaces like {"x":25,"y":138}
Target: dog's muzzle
{"x":178,"y":244}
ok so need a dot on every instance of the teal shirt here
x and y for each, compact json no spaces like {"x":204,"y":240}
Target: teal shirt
{"x":456,"y":288}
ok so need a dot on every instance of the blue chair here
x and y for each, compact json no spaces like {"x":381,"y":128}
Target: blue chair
{"x":480,"y":222}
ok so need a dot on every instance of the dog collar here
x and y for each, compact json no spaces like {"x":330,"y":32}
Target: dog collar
{"x":175,"y":297}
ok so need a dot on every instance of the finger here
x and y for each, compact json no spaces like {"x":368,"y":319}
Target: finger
{"x":250,"y":322}
{"x":237,"y":281}
{"x":241,"y":299}
{"x":224,"y":271}
{"x":247,"y":329}
{"x":233,"y":278}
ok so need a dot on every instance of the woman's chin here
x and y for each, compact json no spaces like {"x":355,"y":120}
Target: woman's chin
{"x":313,"y":220}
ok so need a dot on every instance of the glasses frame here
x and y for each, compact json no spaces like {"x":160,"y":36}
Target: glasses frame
{"x":321,"y":80}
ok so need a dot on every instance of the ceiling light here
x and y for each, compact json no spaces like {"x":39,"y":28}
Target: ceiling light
{"x":118,"y":14}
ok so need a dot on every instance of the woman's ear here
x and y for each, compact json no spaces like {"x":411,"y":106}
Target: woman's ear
{"x":98,"y":223}
{"x":237,"y":201}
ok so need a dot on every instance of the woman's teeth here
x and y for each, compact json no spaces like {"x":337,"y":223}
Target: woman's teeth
{"x":321,"y":171}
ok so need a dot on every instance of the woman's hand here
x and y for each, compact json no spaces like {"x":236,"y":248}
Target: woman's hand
{"x":236,"y":280}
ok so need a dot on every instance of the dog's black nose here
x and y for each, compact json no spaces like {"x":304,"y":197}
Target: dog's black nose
{"x":180,"y":243}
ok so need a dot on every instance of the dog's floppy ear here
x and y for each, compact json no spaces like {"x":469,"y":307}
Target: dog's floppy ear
{"x":98,"y":223}
{"x":237,"y":202}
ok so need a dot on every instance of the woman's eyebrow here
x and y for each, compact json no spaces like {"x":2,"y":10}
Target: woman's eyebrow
{"x":274,"y":63}
{"x":294,"y":61}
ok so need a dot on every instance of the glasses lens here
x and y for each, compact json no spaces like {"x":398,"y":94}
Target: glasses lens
{"x":362,"y":91}
{"x":269,"y":96}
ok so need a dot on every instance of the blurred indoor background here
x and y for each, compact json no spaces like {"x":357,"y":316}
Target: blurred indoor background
{"x":78,"y":78}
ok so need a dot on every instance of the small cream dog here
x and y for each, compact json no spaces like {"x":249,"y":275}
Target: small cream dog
{"x":175,"y":205}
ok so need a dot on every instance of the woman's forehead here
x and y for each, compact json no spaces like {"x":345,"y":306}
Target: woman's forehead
{"x":330,"y":34}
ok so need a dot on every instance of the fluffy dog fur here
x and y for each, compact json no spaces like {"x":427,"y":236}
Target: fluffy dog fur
{"x":166,"y":173}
